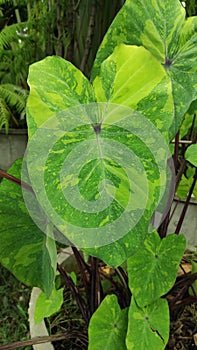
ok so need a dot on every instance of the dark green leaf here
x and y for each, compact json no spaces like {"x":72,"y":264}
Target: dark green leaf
{"x":24,"y":249}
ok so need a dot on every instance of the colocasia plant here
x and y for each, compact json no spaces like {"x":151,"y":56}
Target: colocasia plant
{"x":98,"y":174}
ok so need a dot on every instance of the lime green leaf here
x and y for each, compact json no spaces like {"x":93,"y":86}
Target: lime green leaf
{"x":131,"y":76}
{"x":25,"y":250}
{"x":191,"y":154}
{"x":153,"y":269}
{"x":47,"y":306}
{"x":108,"y":326}
{"x":160,"y":27}
{"x":55,"y":86}
{"x":148,"y":327}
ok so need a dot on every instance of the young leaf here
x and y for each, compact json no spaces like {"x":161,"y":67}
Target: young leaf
{"x":160,"y":27}
{"x":191,"y":154}
{"x":153,"y":269}
{"x":108,"y":326}
{"x":47,"y":306}
{"x":132,"y":77}
{"x":148,"y":327}
{"x":24,"y":250}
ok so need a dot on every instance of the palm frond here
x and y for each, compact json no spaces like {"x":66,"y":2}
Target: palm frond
{"x":13,"y":103}
{"x":11,"y":33}
{"x":19,"y":2}
{"x":14,"y":66}
{"x":3,"y":2}
{"x":4,"y":115}
{"x":14,"y":96}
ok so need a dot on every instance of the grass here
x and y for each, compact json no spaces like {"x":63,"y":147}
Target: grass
{"x":14,"y":297}
{"x":67,"y":320}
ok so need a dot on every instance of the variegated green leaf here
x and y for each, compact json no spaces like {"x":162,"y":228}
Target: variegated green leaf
{"x":132,"y":77}
{"x":153,"y":269}
{"x":116,"y":253}
{"x":108,"y":326}
{"x":25,"y":250}
{"x":99,"y":187}
{"x":148,"y":327}
{"x":55,"y":86}
{"x":160,"y":27}
{"x":86,"y":161}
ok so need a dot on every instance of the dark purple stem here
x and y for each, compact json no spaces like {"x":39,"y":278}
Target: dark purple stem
{"x":16,"y":181}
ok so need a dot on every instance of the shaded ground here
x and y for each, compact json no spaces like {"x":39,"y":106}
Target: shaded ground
{"x":14,"y":298}
{"x":183,"y":310}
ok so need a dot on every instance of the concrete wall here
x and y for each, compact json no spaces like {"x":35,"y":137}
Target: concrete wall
{"x":12,"y":147}
{"x":189,"y":226}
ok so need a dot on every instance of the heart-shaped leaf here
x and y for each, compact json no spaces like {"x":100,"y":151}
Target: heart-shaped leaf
{"x":105,"y":181}
{"x":98,"y":169}
{"x":153,"y":269}
{"x":108,"y":326}
{"x":148,"y":327}
{"x":25,"y":250}
{"x":160,"y":27}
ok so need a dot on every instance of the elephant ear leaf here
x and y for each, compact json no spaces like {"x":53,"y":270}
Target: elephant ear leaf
{"x":108,"y":326}
{"x":25,"y":250}
{"x":159,"y":26}
{"x":146,"y":328}
{"x":159,"y":273}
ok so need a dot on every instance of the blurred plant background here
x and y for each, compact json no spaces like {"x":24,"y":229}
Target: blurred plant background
{"x":32,"y":30}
